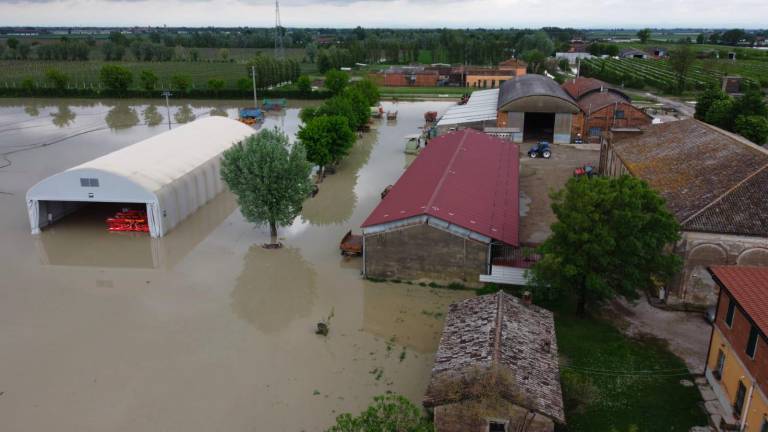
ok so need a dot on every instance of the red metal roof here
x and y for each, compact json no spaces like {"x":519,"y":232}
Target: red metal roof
{"x":466,"y":178}
{"x":749,"y":287}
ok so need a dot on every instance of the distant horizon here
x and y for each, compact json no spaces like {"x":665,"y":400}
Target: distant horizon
{"x":400,"y":14}
{"x":198,"y":27}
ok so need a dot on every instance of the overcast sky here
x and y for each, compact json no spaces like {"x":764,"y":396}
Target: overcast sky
{"x":390,"y":13}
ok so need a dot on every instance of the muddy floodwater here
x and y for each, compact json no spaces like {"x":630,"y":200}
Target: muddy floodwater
{"x":202,"y":330}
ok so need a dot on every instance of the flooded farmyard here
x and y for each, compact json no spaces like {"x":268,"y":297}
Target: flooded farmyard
{"x":202,"y":329}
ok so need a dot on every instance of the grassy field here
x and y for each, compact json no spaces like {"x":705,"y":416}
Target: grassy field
{"x":12,"y":72}
{"x":613,"y":383}
{"x":424,"y":91}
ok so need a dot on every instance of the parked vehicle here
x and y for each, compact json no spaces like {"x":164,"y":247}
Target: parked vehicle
{"x":540,"y":149}
{"x":391,"y":115}
{"x":586,"y":170}
{"x":430,"y":116}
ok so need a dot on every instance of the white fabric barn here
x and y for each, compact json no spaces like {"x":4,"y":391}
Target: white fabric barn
{"x":173,"y":174}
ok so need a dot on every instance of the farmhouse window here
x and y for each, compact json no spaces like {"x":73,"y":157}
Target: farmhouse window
{"x":595,"y":131}
{"x":738,"y":404}
{"x":731,"y":312}
{"x":752,"y":342}
{"x":720,"y":364}
{"x":620,"y":114}
{"x":497,"y":427}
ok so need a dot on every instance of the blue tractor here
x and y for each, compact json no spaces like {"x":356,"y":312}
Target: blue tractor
{"x":540,"y":149}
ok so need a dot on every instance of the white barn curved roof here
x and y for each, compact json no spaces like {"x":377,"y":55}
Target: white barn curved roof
{"x":173,"y":173}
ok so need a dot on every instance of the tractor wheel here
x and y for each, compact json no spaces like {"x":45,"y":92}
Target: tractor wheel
{"x":532,"y":155}
{"x":546,"y":154}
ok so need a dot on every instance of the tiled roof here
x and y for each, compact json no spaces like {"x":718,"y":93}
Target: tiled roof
{"x":581,"y":86}
{"x":694,"y":166}
{"x":592,"y":102}
{"x":466,"y":178}
{"x":749,"y":287}
{"x":499,"y":330}
{"x":742,"y":211}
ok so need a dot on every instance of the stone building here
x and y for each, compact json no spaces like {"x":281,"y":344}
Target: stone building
{"x":496,"y":368}
{"x":714,"y":183}
{"x":445,"y":214}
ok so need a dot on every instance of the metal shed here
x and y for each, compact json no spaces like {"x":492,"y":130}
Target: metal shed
{"x":172,"y":174}
{"x":479,"y":112}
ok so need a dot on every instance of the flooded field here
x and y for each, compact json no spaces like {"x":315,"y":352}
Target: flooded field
{"x":202,"y":330}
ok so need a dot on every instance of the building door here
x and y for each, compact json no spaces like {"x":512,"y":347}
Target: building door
{"x":738,"y":405}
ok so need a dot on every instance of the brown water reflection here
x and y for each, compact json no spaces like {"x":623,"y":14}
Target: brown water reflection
{"x":274,"y":288}
{"x":203,"y":329}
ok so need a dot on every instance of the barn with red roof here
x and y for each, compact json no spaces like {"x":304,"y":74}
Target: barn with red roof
{"x":441,"y":220}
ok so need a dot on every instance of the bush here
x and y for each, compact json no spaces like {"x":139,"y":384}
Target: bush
{"x":28,"y":84}
{"x":216,"y":84}
{"x":148,"y":80}
{"x":304,"y":84}
{"x":57,"y":78}
{"x":753,"y":128}
{"x":116,"y":78}
{"x":181,"y":82}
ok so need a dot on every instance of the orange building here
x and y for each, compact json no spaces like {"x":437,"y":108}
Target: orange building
{"x":737,"y":363}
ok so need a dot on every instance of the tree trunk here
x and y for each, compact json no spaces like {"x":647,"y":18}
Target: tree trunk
{"x":581,"y":305}
{"x":321,"y":174}
{"x":273,"y":232}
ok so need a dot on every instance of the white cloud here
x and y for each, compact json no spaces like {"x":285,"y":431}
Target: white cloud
{"x":389,"y":13}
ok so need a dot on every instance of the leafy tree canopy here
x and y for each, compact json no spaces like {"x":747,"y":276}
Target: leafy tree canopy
{"x":269,"y":176}
{"x":326,"y":139}
{"x":336,"y":81}
{"x":644,"y":35}
{"x":304,"y":84}
{"x":387,"y":413}
{"x":610,"y":238}
{"x":753,"y":128}
{"x":116,"y":78}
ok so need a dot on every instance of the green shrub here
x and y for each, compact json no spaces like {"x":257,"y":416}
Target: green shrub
{"x":57,"y":78}
{"x":116,"y":78}
{"x":181,"y":82}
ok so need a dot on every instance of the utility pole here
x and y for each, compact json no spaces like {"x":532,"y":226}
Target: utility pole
{"x":167,"y":94}
{"x":253,"y":79}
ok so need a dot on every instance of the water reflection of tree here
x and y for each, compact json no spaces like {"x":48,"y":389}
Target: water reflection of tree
{"x":336,"y":200}
{"x":122,"y":116}
{"x":219,"y":112}
{"x":275,"y":288}
{"x":152,"y":116}
{"x":64,"y":116}
{"x":184,"y":114}
{"x":31,"y":109}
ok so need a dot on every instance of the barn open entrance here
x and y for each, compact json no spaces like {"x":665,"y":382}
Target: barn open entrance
{"x":79,"y":215}
{"x":539,"y":127}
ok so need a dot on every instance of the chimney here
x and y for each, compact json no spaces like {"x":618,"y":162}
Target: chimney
{"x":527,"y":298}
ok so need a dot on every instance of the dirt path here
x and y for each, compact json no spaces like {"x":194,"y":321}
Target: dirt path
{"x":686,"y":332}
{"x":682,"y":107}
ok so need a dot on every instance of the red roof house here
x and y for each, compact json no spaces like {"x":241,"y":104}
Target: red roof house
{"x":460,"y":195}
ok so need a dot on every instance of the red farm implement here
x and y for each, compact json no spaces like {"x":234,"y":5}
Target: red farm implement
{"x":128,"y":220}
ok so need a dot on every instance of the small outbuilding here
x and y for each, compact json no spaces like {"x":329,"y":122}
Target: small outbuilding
{"x":496,"y":368}
{"x":170,"y":175}
{"x":453,"y":210}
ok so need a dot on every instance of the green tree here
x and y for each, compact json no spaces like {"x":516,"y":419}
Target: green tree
{"x":181,"y":82}
{"x":12,"y":43}
{"x":644,"y":35}
{"x":751,"y":103}
{"x":720,"y":114}
{"x":705,"y":100}
{"x":24,"y":50}
{"x":28,"y":85}
{"x":336,"y":81}
{"x":57,"y":78}
{"x":369,"y":90}
{"x":116,"y":78}
{"x":311,"y":50}
{"x":680,"y":60}
{"x":216,"y":85}
{"x":270,"y":178}
{"x":611,"y":238}
{"x":701,"y":38}
{"x":387,"y":413}
{"x":148,"y":80}
{"x":753,"y":128}
{"x":304,"y":84}
{"x":327,"y":139}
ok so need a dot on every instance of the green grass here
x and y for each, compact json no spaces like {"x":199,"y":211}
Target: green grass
{"x":614,"y":382}
{"x":424,"y":91}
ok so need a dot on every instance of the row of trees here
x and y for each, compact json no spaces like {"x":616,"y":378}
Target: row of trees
{"x":119,"y":79}
{"x":328,"y":130}
{"x":67,"y":50}
{"x":746,"y":115}
{"x":271,"y":71}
